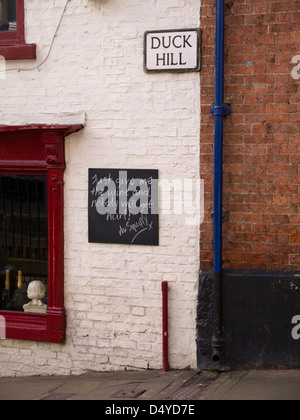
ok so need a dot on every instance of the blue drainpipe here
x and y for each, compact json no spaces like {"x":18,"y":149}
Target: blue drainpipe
{"x":220,"y":110}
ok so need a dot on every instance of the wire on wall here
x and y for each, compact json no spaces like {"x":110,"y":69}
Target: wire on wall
{"x":51,"y":44}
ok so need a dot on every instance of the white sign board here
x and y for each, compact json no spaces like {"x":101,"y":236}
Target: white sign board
{"x":173,"y":50}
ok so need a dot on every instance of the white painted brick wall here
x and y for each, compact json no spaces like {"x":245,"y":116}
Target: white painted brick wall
{"x":133,"y":120}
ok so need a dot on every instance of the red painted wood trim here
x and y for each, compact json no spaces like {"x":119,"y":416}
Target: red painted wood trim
{"x":65,"y":129}
{"x":32,"y":327}
{"x":21,"y":21}
{"x":48,"y":158}
{"x":12,"y":43}
{"x":18,"y":52}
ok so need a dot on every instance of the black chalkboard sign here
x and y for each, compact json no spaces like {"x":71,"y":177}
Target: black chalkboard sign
{"x":123,"y":206}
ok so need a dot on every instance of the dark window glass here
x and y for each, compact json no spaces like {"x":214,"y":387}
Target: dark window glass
{"x":8,"y":15}
{"x":23,"y":238}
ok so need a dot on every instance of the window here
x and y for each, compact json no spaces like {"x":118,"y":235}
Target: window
{"x":23,"y":239}
{"x":31,"y":231}
{"x":8,"y":15}
{"x":12,"y":32}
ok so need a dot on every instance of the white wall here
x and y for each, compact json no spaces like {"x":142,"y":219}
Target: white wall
{"x":133,"y":120}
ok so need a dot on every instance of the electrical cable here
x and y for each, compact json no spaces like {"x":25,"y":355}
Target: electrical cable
{"x":51,"y":44}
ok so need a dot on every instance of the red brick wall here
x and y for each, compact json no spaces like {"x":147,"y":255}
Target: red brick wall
{"x":261,"y":137}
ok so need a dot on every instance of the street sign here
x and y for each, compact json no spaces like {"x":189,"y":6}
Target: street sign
{"x":172,"y":50}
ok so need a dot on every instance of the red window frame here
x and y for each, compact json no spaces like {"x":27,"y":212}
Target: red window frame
{"x":12,"y":43}
{"x":39,"y":150}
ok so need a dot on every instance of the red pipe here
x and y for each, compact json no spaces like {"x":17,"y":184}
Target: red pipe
{"x":164,"y":287}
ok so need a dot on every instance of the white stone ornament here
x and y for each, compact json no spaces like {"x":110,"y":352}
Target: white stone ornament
{"x":36,"y":291}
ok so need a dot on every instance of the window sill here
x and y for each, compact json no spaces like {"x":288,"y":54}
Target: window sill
{"x":48,"y":327}
{"x":18,"y":52}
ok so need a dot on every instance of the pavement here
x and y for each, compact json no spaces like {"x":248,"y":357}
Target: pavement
{"x":157,"y":385}
{"x":135,"y":385}
{"x":257,"y":385}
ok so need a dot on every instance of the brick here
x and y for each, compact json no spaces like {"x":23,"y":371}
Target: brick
{"x":295,"y":239}
{"x":258,"y":258}
{"x":266,"y":195}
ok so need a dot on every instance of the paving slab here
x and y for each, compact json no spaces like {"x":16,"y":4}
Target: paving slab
{"x":82,"y":385}
{"x":20,"y":389}
{"x":272,"y":385}
{"x":151,"y":386}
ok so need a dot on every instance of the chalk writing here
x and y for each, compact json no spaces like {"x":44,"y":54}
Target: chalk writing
{"x":123,"y":206}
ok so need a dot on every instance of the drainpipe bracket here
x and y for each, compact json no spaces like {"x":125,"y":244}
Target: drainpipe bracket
{"x":221,"y":110}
